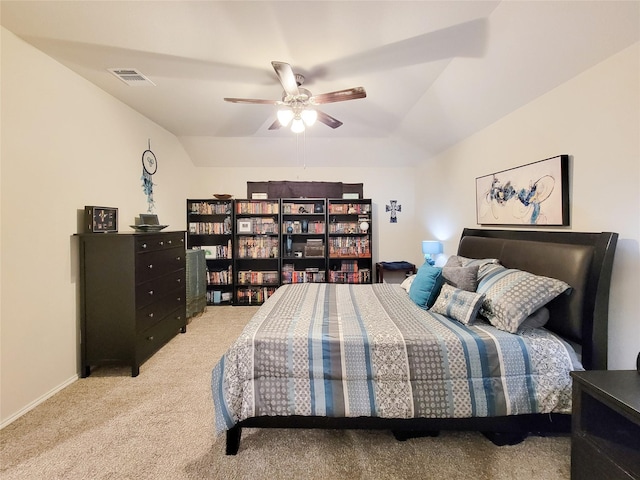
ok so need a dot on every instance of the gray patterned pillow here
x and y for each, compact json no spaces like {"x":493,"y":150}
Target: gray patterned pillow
{"x":512,"y":295}
{"x":458,"y":304}
{"x":464,"y":278}
{"x":458,"y":261}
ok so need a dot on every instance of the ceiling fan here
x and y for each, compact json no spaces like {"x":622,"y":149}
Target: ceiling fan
{"x":298,"y":104}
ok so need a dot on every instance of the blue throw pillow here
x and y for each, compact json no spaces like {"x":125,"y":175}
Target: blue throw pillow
{"x":426,"y":286}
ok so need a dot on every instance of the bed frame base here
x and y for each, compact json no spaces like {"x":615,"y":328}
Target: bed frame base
{"x":500,"y":430}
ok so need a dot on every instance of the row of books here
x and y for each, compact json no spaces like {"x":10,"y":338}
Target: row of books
{"x":301,"y":208}
{"x":349,"y":208}
{"x":210,"y":228}
{"x":349,"y":247}
{"x":213,"y":208}
{"x":221,"y":277}
{"x":257,"y":207}
{"x":309,"y":275}
{"x":346,"y":227}
{"x":213,"y":252}
{"x":257,"y":225}
{"x":361,"y":276}
{"x":257,"y":247}
{"x":348,"y":266}
{"x":253,"y":295}
{"x":250,"y":277}
{"x":216,"y":296}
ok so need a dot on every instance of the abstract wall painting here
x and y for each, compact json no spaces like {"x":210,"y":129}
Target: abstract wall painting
{"x":532,"y":194}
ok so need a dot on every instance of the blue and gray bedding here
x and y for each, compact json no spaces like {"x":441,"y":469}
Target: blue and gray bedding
{"x":341,"y":350}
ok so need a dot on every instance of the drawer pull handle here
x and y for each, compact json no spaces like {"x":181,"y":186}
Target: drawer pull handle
{"x":150,"y":338}
{"x":144,"y":245}
{"x":179,"y":299}
{"x":150,"y":292}
{"x":170,"y":242}
{"x":150,"y":266}
{"x":151,"y":315}
{"x":178,"y":258}
{"x":161,"y":243}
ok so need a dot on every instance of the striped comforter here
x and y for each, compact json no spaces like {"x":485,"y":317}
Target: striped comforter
{"x":367,"y":350}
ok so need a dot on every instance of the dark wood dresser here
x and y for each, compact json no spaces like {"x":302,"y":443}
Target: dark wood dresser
{"x":132,"y":296}
{"x":605,"y":438}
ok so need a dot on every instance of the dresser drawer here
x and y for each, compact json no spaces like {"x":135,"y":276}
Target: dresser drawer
{"x":159,"y":241}
{"x":153,"y":290}
{"x":155,"y":264}
{"x":151,"y":340}
{"x":148,"y":316}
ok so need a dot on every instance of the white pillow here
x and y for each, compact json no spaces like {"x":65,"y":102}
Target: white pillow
{"x":406,"y":283}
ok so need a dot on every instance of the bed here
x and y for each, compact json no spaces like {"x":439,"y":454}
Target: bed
{"x":372,"y":356}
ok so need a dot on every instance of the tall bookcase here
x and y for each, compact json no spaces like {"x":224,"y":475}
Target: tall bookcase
{"x":254,"y":246}
{"x":257,"y":250}
{"x":349,"y":241}
{"x":210,"y":228}
{"x":304,"y":239}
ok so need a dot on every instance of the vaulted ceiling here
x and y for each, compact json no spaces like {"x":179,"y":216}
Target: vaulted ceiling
{"x":435,"y":72}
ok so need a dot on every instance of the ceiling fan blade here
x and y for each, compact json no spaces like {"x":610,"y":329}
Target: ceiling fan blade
{"x":275,"y":125}
{"x":339,"y":96}
{"x":287,"y":78}
{"x":252,"y":100}
{"x":328,"y":120}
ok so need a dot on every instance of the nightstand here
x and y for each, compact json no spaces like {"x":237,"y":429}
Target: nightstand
{"x":402,"y":267}
{"x":605,"y":430}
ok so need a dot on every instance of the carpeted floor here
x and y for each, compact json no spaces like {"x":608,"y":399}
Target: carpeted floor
{"x":159,"y":426}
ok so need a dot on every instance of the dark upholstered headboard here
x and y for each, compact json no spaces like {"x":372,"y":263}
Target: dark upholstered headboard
{"x":583,"y":260}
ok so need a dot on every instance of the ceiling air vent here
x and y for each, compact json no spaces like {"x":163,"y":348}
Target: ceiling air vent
{"x":132,"y":77}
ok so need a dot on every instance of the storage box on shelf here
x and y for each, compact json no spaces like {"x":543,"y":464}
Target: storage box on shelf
{"x":304,"y":236}
{"x":210,"y":228}
{"x":257,"y":250}
{"x":349,"y":240}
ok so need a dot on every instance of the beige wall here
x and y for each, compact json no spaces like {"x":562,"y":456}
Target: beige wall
{"x":65,"y":144}
{"x":594,"y":118}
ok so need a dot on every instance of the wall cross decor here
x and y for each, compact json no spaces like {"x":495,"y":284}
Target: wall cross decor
{"x":393,"y":208}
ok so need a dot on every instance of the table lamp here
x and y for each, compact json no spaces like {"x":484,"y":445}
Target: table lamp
{"x":430,"y":248}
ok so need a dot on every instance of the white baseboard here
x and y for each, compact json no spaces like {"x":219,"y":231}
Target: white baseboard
{"x":38,"y":401}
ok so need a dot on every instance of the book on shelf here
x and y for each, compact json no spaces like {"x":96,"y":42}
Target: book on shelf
{"x":213,"y":252}
{"x":211,"y":208}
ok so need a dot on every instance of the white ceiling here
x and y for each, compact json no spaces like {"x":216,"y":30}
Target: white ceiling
{"x":435,"y":72}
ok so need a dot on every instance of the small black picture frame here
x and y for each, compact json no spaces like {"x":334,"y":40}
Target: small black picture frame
{"x":100,"y":219}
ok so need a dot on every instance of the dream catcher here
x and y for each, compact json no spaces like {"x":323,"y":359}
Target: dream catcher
{"x":149,"y":167}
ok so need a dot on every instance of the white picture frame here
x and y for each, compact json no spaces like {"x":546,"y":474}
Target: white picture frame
{"x":244,"y":226}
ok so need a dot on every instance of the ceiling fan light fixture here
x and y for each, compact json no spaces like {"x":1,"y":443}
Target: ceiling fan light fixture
{"x":285,"y":115}
{"x":309,"y":116}
{"x":297,"y":126}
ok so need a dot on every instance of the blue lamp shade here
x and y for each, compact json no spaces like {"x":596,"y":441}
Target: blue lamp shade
{"x":429,"y":249}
